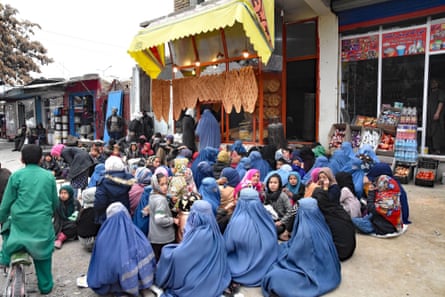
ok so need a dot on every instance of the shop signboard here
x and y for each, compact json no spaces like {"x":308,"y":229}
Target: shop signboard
{"x":360,"y":48}
{"x":437,"y":37}
{"x":404,"y":42}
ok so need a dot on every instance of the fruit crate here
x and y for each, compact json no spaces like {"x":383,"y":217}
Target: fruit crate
{"x":425,"y":177}
{"x":403,"y":173}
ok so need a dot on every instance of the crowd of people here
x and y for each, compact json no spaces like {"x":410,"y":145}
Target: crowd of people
{"x":205,"y":222}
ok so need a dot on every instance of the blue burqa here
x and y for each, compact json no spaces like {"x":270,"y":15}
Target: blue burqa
{"x":99,"y":171}
{"x":122,"y":261}
{"x":257,"y":162}
{"x":251,"y":240}
{"x":308,"y":263}
{"x":208,"y":131}
{"x":320,"y":162}
{"x":207,"y":154}
{"x":196,"y":267}
{"x":210,"y":192}
{"x":139,"y":219}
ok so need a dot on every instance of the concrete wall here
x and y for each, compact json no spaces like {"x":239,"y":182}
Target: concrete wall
{"x":328,"y":81}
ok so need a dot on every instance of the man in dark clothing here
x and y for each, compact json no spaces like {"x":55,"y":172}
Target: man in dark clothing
{"x":19,"y":139}
{"x":188,"y":130}
{"x":147,"y":126}
{"x":115,"y":125}
{"x":135,"y":128}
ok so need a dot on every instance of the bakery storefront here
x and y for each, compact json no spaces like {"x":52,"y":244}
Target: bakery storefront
{"x":391,"y":58}
{"x":216,"y":56}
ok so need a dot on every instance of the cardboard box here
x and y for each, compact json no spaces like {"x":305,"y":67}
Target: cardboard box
{"x":389,"y":118}
{"x":338,"y":133}
{"x":370,"y":136}
{"x":387,"y":137}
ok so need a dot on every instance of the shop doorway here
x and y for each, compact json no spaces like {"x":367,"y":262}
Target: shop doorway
{"x":300,"y":102}
{"x":301,"y":80}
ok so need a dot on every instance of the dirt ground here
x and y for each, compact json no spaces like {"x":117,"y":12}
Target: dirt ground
{"x":410,"y":265}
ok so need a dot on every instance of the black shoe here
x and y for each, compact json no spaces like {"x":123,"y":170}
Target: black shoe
{"x":14,"y":150}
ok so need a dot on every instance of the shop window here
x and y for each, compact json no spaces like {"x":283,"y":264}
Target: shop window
{"x":301,"y":39}
{"x":402,"y":81}
{"x":359,"y":88}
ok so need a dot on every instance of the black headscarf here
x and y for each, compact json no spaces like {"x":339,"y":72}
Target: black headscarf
{"x":344,"y":179}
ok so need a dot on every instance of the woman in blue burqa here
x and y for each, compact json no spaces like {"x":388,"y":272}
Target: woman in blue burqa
{"x":308,"y":263}
{"x":251,"y":240}
{"x":210,"y":192}
{"x":196,"y":267}
{"x":208,"y":130}
{"x":122,"y":261}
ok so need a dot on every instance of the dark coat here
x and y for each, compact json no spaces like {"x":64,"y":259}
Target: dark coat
{"x":112,"y":187}
{"x":339,"y":222}
{"x":188,"y":132}
{"x":78,"y":159}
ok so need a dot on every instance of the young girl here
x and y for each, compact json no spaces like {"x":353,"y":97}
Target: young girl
{"x":162,"y":224}
{"x":283,"y":212}
{"x":65,"y":216}
{"x":293,"y":187}
{"x":250,"y":180}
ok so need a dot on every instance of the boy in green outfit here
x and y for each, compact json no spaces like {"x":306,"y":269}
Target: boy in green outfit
{"x":26,"y":212}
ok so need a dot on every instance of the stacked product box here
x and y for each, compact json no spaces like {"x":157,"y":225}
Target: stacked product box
{"x":406,"y":137}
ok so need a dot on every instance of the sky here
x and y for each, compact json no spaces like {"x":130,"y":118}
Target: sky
{"x":88,"y":36}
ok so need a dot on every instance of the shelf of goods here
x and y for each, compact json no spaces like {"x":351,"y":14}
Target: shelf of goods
{"x":61,"y":129}
{"x":406,"y":137}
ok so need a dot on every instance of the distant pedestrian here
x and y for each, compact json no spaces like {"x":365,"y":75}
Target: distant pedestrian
{"x":115,"y":125}
{"x":188,"y":130}
{"x":208,"y":131}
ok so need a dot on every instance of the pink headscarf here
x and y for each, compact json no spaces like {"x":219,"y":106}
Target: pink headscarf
{"x":247,"y":182}
{"x":56,"y":151}
{"x":314,"y":174}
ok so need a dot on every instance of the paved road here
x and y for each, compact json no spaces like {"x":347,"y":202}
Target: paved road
{"x":410,"y":265}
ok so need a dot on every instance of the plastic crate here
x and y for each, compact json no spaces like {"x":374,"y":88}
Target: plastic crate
{"x":427,"y":163}
{"x":425,"y":182}
{"x":403,"y":173}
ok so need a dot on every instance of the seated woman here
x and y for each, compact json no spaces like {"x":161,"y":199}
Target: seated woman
{"x":326,"y":177}
{"x":251,"y":241}
{"x":206,"y":273}
{"x":383,"y":168}
{"x":251,"y":180}
{"x":227,"y":182}
{"x":348,"y":198}
{"x":65,"y":216}
{"x":339,"y":222}
{"x":308,"y":263}
{"x":384,"y":216}
{"x":133,"y":265}
{"x":279,"y":206}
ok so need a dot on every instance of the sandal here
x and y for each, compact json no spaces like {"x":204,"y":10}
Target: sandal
{"x":228,"y":292}
{"x":235,"y":288}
